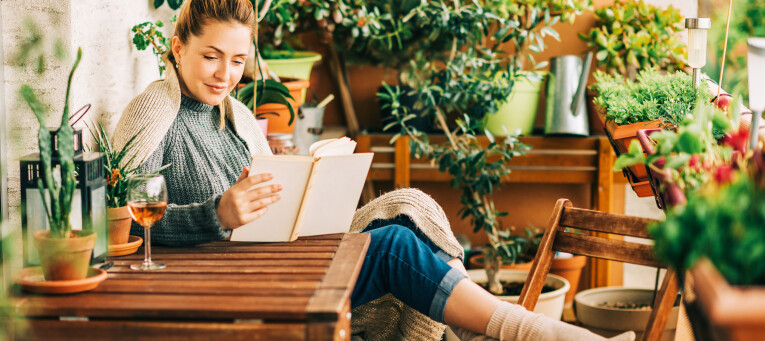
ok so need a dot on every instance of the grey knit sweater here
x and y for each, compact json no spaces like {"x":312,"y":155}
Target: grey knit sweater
{"x":204,"y":162}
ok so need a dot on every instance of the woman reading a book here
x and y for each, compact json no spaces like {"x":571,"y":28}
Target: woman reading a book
{"x":188,"y":120}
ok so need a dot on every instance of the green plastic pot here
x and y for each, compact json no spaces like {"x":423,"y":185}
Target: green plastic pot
{"x":299,"y":66}
{"x":519,"y":112}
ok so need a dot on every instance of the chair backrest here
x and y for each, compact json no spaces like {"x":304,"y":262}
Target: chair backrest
{"x":598,"y":245}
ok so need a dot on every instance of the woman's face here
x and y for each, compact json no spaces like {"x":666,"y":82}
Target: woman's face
{"x":212,"y":63}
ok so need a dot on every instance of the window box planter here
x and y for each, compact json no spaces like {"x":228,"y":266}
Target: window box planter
{"x":620,"y":137}
{"x":721,"y":311}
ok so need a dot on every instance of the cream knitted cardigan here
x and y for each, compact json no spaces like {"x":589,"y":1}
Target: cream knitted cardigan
{"x":155,"y":109}
{"x":386,"y":318}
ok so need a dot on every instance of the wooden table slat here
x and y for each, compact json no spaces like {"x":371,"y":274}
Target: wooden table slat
{"x":324,"y":263}
{"x":161,"y":331}
{"x":138,"y":256}
{"x":244,"y":249}
{"x":210,"y":288}
{"x":163,"y":306}
{"x":237,"y":270}
{"x":218,"y":277}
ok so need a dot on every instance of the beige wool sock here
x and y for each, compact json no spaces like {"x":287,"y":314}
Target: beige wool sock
{"x":512,"y":322}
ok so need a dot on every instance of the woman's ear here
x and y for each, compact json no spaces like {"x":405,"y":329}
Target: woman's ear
{"x":175,"y":48}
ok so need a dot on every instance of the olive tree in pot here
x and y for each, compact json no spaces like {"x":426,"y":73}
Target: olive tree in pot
{"x":458,"y":67}
{"x":64,"y":253}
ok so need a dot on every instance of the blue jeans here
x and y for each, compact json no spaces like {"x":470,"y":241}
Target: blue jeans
{"x":401,"y":260}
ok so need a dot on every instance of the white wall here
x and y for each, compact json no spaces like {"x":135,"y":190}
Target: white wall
{"x":110,"y":73}
{"x":636,"y":275}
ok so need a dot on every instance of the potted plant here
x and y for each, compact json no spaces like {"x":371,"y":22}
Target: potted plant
{"x":718,"y":236}
{"x":117,"y":169}
{"x":469,"y":83}
{"x":611,"y":311}
{"x":630,"y":36}
{"x":534,"y":21}
{"x":275,"y":101}
{"x":282,"y":51}
{"x":680,"y":160}
{"x":653,"y":100}
{"x":64,"y":253}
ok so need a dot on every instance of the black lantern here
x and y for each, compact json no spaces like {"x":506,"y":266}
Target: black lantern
{"x":88,"y":204}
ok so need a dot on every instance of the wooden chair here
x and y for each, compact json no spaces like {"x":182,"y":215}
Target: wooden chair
{"x":556,"y":238}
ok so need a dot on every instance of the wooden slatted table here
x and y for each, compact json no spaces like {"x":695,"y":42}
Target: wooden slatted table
{"x":223,"y":291}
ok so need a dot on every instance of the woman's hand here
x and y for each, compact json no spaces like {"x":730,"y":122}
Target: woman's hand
{"x":242,"y":203}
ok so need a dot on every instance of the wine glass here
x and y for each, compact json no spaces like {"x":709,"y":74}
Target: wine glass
{"x":147,"y":201}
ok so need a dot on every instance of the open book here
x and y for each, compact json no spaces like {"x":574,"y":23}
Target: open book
{"x":320,"y":192}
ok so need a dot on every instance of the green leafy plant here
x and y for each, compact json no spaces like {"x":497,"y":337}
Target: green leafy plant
{"x":269,"y":91}
{"x":173,"y":4}
{"x":476,"y":169}
{"x":653,"y":95}
{"x":722,"y":222}
{"x":148,"y":34}
{"x":116,"y":165}
{"x":634,"y":34}
{"x":685,"y":156}
{"x":59,"y":182}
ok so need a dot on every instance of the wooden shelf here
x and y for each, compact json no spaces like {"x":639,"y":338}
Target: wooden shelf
{"x":551,"y":160}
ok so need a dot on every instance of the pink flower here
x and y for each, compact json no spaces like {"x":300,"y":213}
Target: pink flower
{"x":724,"y":174}
{"x":694,"y":161}
{"x":737,"y":140}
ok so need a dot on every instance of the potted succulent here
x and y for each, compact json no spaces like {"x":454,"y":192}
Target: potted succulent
{"x":64,"y":253}
{"x":630,"y":36}
{"x":117,"y":169}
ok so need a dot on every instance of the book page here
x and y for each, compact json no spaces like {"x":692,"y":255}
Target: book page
{"x":277,"y":223}
{"x":333,"y":194}
{"x":340,"y":146}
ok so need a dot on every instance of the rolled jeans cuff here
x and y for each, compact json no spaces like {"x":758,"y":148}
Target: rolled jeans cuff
{"x":450,"y":280}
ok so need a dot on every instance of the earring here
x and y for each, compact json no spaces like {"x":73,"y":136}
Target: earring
{"x":177,"y":65}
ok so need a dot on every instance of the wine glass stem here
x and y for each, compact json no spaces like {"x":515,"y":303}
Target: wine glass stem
{"x":147,"y":249}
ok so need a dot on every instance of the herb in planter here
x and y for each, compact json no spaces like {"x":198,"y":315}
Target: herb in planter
{"x":653,"y":95}
{"x":635,"y":34}
{"x":685,"y":155}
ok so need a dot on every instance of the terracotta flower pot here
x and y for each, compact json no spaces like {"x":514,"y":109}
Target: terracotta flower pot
{"x":571,"y":270}
{"x":622,"y":136}
{"x":118,"y":223}
{"x":278,"y":114}
{"x":65,"y":258}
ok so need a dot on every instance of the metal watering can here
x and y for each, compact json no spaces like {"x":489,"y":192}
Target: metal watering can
{"x":566,"y":110}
